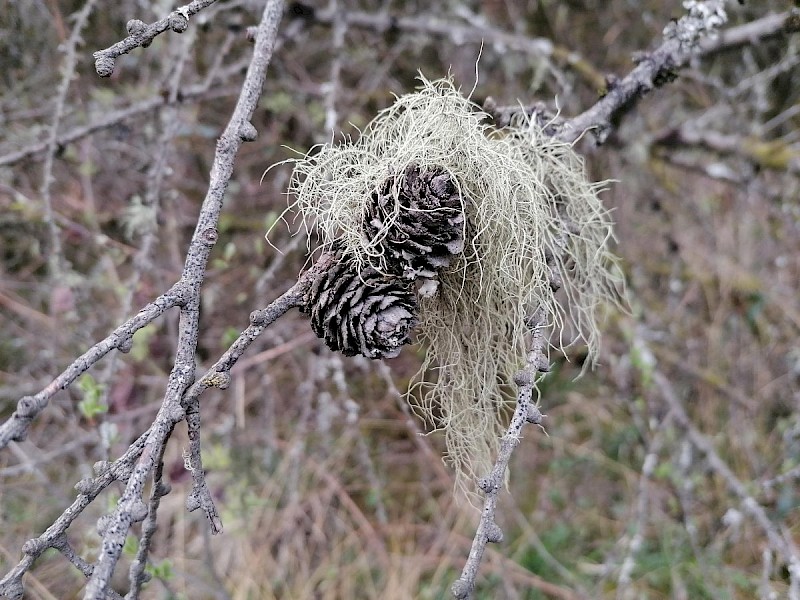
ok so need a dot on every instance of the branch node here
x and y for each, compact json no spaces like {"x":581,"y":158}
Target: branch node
{"x":494,"y":534}
{"x":534,"y":415}
{"x":102,"y":524}
{"x":104,"y":65}
{"x":209,"y":236}
{"x":125,"y":344}
{"x":487,"y":484}
{"x":135,"y":26}
{"x":101,"y":467}
{"x":138,"y":511}
{"x":524,"y":378}
{"x":179,"y":21}
{"x":542,"y":364}
{"x":192,"y":502}
{"x":248,"y":132}
{"x":27,"y":407}
{"x":460,"y":589}
{"x":85,"y":485}
{"x":177,"y":413}
{"x":164,"y":488}
{"x":33,"y":547}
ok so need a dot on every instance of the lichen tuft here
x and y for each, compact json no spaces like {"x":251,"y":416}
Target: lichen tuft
{"x":530,"y":211}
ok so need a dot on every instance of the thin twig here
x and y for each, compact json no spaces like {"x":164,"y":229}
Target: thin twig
{"x":460,"y":32}
{"x":525,"y":412}
{"x":238,"y":130}
{"x":136,"y":573}
{"x":55,"y":256}
{"x":637,"y":532}
{"x":195,"y":92}
{"x":778,"y":541}
{"x":142,"y":35}
{"x":333,"y":86}
{"x":28,"y":407}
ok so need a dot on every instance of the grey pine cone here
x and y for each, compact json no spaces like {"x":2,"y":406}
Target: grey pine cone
{"x":361,"y":312}
{"x":416,"y":219}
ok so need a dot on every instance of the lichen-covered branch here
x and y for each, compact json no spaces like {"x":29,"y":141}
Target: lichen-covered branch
{"x":681,"y":40}
{"x":697,"y":34}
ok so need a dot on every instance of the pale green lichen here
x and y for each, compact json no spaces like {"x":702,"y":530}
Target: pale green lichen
{"x":522,"y":191}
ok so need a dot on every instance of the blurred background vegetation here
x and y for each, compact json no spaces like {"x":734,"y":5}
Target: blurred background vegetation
{"x":326,"y":487}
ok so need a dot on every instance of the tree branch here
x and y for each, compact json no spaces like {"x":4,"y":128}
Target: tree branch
{"x":459,"y":33}
{"x":28,"y":407}
{"x":141,"y":34}
{"x":652,"y":70}
{"x":55,"y":256}
{"x":238,"y":130}
{"x":525,"y":412}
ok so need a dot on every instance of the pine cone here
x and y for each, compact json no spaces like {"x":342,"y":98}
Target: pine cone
{"x":361,"y":312}
{"x":422,"y":230}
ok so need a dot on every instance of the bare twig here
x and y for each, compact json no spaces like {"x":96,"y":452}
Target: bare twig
{"x":238,"y":130}
{"x":765,"y":154}
{"x":55,"y":256}
{"x":16,"y":427}
{"x":637,"y":532}
{"x":141,"y":34}
{"x":783,"y":545}
{"x":333,"y":86}
{"x":191,"y":93}
{"x":136,"y":574}
{"x":525,"y":412}
{"x":765,"y":28}
{"x":460,"y":33}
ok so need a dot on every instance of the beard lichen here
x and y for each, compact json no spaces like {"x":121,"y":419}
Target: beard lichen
{"x":530,"y":212}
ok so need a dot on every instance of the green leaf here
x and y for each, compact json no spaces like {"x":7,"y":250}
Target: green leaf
{"x":131,"y":546}
{"x":92,"y":403}
{"x":141,"y":343}
{"x":162,"y":570}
